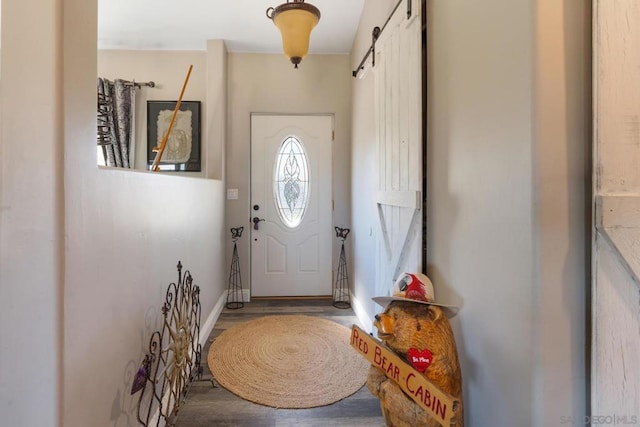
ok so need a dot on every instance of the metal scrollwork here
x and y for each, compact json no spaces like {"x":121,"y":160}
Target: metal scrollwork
{"x":173,"y":361}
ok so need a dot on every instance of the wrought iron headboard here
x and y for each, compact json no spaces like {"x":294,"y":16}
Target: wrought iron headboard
{"x":173,"y":361}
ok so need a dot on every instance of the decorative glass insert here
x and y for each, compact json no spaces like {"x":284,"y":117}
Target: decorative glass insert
{"x":291,"y":181}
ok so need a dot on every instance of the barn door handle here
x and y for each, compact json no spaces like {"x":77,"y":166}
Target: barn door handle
{"x":256,"y":220}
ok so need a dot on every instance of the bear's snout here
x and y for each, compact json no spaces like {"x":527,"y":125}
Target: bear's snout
{"x":385,"y":325}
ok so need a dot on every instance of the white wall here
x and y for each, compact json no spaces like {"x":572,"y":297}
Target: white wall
{"x":263,"y":83}
{"x":125,"y":233}
{"x":561,"y":157}
{"x":31,"y":214}
{"x":216,"y":119}
{"x":86,"y":254}
{"x":507,"y":149}
{"x":480,"y":193}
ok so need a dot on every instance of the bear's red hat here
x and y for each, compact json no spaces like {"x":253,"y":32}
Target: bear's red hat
{"x":415,"y":287}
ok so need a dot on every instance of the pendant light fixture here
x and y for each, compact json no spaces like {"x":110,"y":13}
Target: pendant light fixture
{"x":295,"y":19}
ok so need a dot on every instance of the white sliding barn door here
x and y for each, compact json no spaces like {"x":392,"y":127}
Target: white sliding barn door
{"x":398,"y":82}
{"x":615,"y":381}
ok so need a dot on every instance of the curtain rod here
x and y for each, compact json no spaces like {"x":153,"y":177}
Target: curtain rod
{"x":139,"y":84}
{"x":374,"y":36}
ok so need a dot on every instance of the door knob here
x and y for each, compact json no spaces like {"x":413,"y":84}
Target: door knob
{"x":256,"y":221}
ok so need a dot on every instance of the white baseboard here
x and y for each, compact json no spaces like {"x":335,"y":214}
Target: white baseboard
{"x":212,"y":318}
{"x":365,"y":321}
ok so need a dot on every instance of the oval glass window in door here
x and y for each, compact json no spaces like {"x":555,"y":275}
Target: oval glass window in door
{"x":291,"y":181}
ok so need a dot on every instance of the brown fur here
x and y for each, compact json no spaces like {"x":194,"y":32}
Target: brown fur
{"x":406,"y":325}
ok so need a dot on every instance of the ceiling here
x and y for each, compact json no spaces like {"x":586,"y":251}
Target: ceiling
{"x":188,"y":24}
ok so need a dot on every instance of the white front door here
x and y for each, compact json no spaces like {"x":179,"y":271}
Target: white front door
{"x":291,"y":208}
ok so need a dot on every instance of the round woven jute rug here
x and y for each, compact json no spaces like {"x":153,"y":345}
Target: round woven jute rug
{"x":288,"y":361}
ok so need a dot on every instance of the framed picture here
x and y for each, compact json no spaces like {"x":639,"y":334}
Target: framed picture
{"x":182,"y":151}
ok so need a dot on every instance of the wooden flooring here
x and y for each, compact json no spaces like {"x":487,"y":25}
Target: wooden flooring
{"x":209,"y":406}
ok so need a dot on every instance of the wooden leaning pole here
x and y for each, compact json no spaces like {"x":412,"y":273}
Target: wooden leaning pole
{"x":159,"y":150}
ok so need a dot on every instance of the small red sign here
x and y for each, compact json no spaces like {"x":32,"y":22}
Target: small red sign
{"x":420,"y":359}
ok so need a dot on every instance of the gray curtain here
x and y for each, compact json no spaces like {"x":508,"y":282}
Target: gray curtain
{"x":116,"y":119}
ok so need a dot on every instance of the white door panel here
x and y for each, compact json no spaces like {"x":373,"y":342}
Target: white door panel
{"x":291,"y":260}
{"x":398,"y":83}
{"x":615,"y":340}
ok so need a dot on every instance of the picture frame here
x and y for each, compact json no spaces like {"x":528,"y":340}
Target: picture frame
{"x":182,"y":151}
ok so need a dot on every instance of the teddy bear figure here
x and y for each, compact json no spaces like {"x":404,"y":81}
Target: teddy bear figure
{"x":412,"y":326}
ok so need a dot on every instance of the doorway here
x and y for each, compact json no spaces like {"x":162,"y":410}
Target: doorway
{"x":291,"y":205}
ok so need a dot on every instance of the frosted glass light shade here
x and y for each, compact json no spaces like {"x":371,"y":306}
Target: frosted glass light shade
{"x":295,"y":21}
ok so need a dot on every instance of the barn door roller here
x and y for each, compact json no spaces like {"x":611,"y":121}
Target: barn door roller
{"x":374,"y":36}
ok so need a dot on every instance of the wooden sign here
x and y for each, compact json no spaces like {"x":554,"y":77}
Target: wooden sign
{"x":439,"y":405}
